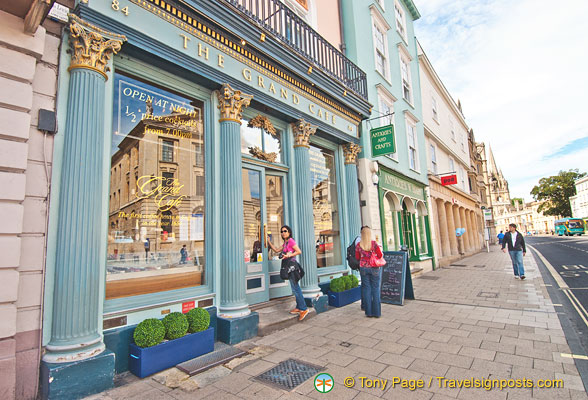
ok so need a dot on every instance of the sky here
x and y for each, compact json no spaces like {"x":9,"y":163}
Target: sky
{"x":520,"y":70}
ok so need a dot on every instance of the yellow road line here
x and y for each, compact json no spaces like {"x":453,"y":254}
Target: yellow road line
{"x":577,"y":356}
{"x":567,"y":293}
{"x":551,"y":270}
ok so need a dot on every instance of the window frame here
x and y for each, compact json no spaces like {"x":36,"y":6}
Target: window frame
{"x":411,"y":126}
{"x":433,"y":149}
{"x":379,"y":23}
{"x":151,"y":75}
{"x":399,"y":12}
{"x":341,"y":204}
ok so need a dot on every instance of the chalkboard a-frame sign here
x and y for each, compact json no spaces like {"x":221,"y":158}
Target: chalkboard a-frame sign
{"x":396,"y":279}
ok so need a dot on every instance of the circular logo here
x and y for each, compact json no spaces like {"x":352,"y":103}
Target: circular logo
{"x":323,"y":383}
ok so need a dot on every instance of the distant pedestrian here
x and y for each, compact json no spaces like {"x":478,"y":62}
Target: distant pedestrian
{"x":500,"y":237}
{"x":288,"y":253}
{"x":516,"y":249}
{"x":371,"y":273}
{"x":183,"y":254}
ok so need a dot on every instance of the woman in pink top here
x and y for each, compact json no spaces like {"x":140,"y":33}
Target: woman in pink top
{"x":370,"y":274}
{"x":291,"y":249}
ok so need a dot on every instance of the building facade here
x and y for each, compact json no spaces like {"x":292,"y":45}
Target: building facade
{"x":449,"y":142}
{"x":490,"y":234}
{"x":579,"y":202}
{"x":203,"y":127}
{"x":28,"y":74}
{"x":392,"y":164}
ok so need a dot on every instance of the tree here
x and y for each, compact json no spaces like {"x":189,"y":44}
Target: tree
{"x":515,"y":200}
{"x":556,"y":191}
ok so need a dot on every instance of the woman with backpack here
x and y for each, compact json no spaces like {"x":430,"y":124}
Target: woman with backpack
{"x":288,"y":251}
{"x":370,"y":257}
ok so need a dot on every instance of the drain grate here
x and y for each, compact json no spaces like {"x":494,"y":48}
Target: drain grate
{"x":222,"y":353}
{"x":488,"y":295}
{"x":431,"y":278}
{"x":288,"y":374}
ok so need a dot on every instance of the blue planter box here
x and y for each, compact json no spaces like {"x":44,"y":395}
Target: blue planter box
{"x":149,"y":360}
{"x":340,"y":299}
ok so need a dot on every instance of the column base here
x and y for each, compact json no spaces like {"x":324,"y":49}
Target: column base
{"x":319,"y":303}
{"x":235,"y":330}
{"x":78,"y":379}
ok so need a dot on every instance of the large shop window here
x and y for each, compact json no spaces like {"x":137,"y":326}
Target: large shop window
{"x":156,"y":214}
{"x":325,"y":207}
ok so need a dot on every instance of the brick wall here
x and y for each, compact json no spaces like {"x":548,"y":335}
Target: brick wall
{"x":28,"y":74}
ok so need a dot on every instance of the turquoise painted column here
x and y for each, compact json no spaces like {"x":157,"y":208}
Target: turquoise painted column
{"x":351,"y":151}
{"x":233,"y":301}
{"x":305,"y":235}
{"x":75,"y":331}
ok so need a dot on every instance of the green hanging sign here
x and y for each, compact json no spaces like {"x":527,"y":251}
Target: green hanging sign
{"x":383,"y":140}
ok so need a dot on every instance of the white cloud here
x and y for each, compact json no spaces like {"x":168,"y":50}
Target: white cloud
{"x":519,"y":69}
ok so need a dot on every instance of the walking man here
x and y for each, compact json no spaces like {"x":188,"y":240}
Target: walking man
{"x":516,"y":249}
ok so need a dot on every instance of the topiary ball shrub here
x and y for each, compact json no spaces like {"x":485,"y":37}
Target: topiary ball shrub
{"x":198,"y":320}
{"x":337,"y":285}
{"x":347,"y":281}
{"x":149,"y":333}
{"x":176,"y":325}
{"x":354,"y":281}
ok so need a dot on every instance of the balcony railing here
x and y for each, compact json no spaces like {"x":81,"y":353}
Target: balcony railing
{"x":285,"y":25}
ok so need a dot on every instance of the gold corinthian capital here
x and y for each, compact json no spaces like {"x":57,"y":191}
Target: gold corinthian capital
{"x":351,"y":151}
{"x":91,"y":46}
{"x":231,"y":103}
{"x":302,"y":131}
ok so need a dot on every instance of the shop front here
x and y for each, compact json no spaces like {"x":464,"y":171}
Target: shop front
{"x":185,"y":149}
{"x":405,"y":218}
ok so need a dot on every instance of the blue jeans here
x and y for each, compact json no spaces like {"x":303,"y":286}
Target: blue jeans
{"x":517,"y":262}
{"x":370,"y":290}
{"x":300,"y":304}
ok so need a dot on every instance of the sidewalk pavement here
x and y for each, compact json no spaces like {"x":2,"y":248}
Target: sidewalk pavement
{"x":470,"y":320}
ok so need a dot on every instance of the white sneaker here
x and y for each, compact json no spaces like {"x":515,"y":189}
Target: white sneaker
{"x":516,"y":277}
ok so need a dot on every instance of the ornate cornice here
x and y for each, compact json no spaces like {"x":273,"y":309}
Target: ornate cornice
{"x":351,"y":151}
{"x":302,"y":131}
{"x":231,"y":103}
{"x":91,"y":46}
{"x":260,"y":154}
{"x":264,"y":123}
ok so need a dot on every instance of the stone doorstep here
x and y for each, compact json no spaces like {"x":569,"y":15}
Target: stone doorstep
{"x":278,"y":320}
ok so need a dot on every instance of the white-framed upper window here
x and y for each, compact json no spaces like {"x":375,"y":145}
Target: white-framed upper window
{"x":413,"y":156}
{"x":462,"y":178}
{"x":379,"y":35}
{"x":462,"y":141}
{"x":434,"y":109}
{"x":406,"y":82}
{"x":451,"y":165}
{"x":381,"y":4}
{"x":433,"y":152}
{"x":400,"y":19}
{"x":452,"y":130}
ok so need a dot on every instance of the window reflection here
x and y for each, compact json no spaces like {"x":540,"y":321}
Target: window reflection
{"x":325,"y":206}
{"x":257,"y":140}
{"x":156,"y":219}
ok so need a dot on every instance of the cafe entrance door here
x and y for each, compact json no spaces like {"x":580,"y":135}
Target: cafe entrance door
{"x":264,"y":211}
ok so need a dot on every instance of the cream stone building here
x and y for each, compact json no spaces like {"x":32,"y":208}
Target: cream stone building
{"x":527,"y":218}
{"x":579,"y":202}
{"x":451,"y":151}
{"x":28,"y":75}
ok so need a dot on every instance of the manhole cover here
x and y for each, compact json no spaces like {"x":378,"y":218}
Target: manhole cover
{"x":288,"y":374}
{"x":458,"y":265}
{"x":479,"y":266}
{"x":488,"y":295}
{"x":431,"y":278}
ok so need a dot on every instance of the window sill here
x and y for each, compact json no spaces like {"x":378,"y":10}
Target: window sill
{"x":384,"y":77}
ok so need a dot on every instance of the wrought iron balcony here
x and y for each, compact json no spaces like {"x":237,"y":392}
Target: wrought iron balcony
{"x":275,"y":17}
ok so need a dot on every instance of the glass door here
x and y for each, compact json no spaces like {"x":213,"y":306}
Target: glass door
{"x":263,"y":211}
